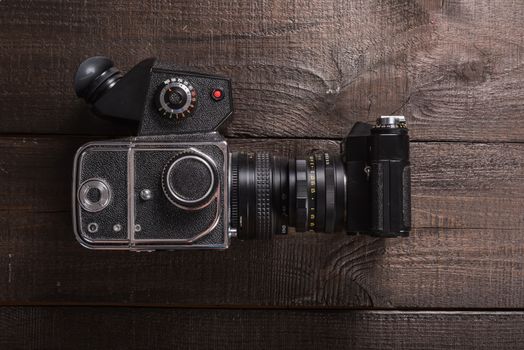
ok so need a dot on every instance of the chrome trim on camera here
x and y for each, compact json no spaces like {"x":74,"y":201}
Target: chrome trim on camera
{"x":102,"y":202}
{"x":391,"y":121}
{"x":232,"y":232}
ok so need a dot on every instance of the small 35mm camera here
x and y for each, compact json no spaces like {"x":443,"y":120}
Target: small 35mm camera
{"x":177,"y":186}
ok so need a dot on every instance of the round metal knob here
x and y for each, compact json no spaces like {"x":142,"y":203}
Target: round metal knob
{"x":94,"y":195}
{"x":190,"y":181}
{"x":176,"y":98}
{"x":391,"y":121}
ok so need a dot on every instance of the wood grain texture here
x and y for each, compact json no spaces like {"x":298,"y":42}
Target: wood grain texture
{"x":41,"y":263}
{"x":299,"y":69}
{"x":125,"y":328}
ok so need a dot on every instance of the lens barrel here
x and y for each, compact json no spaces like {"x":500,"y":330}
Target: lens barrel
{"x":258,"y":207}
{"x":270,"y":194}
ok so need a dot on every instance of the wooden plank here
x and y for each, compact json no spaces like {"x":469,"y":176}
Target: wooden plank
{"x":301,"y":69}
{"x":140,"y":328}
{"x":40,"y":262}
{"x":455,"y":185}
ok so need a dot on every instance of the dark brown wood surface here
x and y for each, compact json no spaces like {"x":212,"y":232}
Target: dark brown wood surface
{"x":300,"y":69}
{"x":303,"y":72}
{"x":124,"y":328}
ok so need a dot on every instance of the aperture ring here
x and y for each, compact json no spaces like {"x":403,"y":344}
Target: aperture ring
{"x":321,"y":192}
{"x":301,"y":205}
{"x":312,"y":193}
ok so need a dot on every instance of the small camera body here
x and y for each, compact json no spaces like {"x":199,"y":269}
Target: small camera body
{"x":177,"y":186}
{"x":378,"y":178}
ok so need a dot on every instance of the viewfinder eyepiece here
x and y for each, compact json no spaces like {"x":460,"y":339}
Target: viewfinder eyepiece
{"x":94,"y":77}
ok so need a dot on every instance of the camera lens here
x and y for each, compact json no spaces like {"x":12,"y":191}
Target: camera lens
{"x":270,"y":193}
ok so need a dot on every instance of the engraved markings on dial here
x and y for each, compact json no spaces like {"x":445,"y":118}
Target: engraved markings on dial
{"x":312,"y":181}
{"x":176,"y":98}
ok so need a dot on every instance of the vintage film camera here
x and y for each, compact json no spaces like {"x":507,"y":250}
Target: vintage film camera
{"x":177,"y":186}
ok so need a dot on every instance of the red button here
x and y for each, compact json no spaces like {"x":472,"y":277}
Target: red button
{"x":217,"y":94}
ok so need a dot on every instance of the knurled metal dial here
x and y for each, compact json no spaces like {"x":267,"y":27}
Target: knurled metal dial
{"x":176,"y":98}
{"x":263,"y":195}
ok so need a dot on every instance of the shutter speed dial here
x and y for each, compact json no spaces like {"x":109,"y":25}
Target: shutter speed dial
{"x":176,"y":98}
{"x":190,"y":180}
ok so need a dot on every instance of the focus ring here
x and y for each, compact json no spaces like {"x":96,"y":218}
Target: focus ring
{"x":263,"y":196}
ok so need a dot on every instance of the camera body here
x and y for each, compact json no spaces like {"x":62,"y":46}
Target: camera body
{"x":177,"y":186}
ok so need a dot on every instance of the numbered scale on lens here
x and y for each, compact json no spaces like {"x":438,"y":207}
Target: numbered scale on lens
{"x":312,"y":192}
{"x":176,"y":98}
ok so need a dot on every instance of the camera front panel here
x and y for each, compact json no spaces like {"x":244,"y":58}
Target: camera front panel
{"x":100,"y":194}
{"x":151,"y":195}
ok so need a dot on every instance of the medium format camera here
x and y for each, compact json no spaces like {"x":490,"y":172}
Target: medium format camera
{"x":177,"y":186}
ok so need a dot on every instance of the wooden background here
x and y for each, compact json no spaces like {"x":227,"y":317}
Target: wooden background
{"x":303,"y":71}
